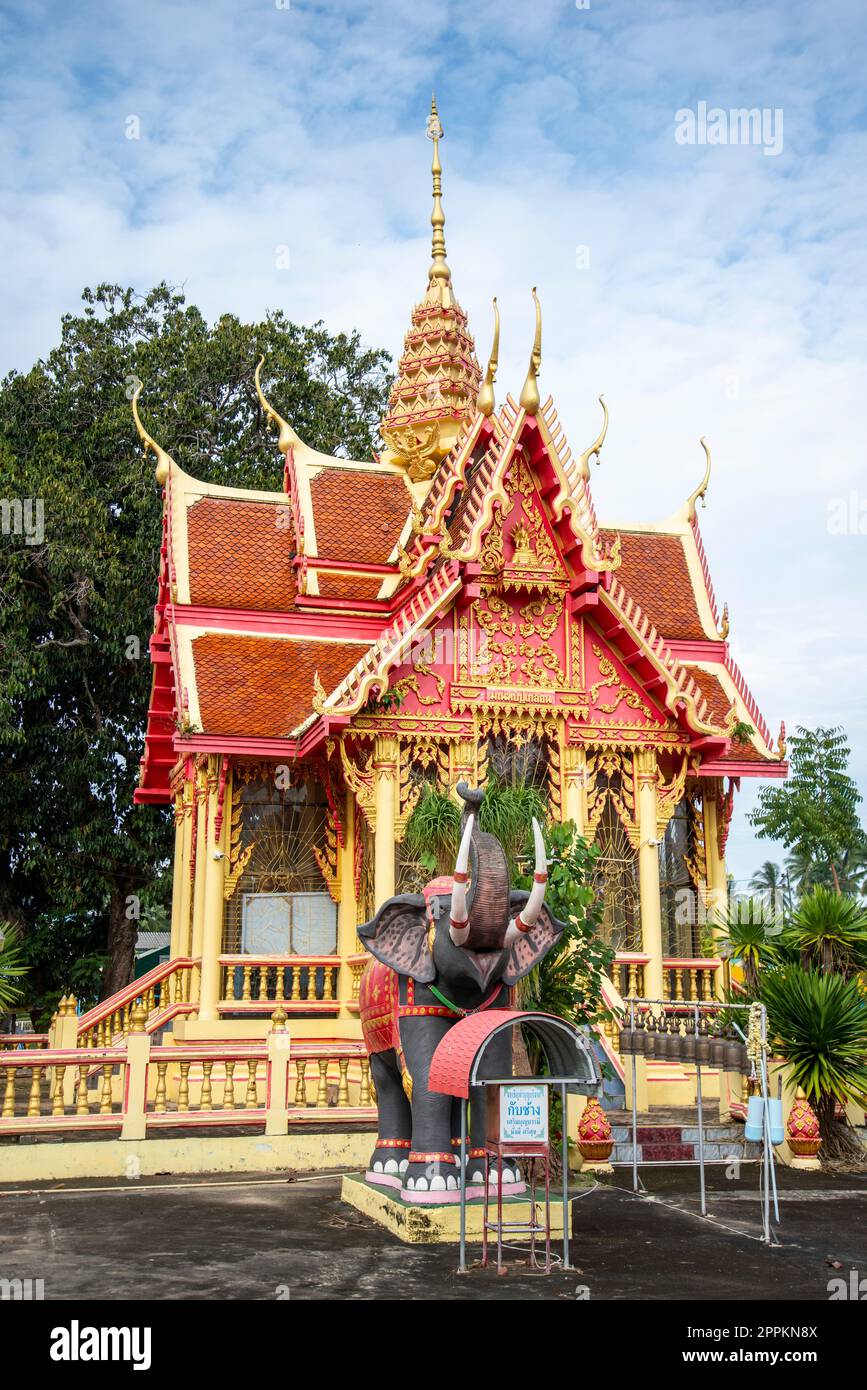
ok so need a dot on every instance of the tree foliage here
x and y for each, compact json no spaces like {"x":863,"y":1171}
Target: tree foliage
{"x":815,"y":812}
{"x":76,"y":860}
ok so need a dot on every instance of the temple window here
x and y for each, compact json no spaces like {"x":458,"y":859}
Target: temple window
{"x":681,"y":929}
{"x":615,"y":881}
{"x":518,"y":761}
{"x":280,"y":904}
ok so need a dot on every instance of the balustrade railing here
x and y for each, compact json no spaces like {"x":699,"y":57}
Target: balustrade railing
{"x":689,"y":980}
{"x":73,"y":1088}
{"x":298,"y":984}
{"x":164,"y":992}
{"x":628,"y":973}
{"x":25,"y":1041}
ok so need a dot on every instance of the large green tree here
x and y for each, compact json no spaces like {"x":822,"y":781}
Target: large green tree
{"x":78,"y":568}
{"x":815,"y":812}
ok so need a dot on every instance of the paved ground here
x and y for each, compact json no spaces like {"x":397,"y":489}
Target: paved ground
{"x":255,"y":1238}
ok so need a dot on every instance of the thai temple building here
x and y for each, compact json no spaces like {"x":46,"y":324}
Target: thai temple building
{"x":450,"y":608}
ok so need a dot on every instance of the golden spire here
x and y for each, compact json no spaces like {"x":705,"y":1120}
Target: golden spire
{"x":485,"y":401}
{"x":701,"y":490}
{"x":164,"y":461}
{"x":287,"y":437}
{"x":530,"y":398}
{"x":439,"y":267}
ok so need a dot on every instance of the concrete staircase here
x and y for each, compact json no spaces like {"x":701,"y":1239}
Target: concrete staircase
{"x":671,"y":1136}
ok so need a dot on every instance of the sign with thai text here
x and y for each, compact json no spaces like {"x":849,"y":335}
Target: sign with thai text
{"x":524,"y":1114}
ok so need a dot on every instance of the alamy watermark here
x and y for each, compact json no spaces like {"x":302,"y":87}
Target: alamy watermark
{"x":23,"y":517}
{"x":740,"y":126}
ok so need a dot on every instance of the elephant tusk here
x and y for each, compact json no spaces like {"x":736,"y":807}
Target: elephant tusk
{"x":459,"y":925}
{"x":533,"y":906}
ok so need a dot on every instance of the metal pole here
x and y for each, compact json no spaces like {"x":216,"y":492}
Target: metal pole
{"x":772,"y":1172}
{"x":634,"y":1102}
{"x":565,"y":1158}
{"x":700,"y":1125}
{"x":462,"y":1263}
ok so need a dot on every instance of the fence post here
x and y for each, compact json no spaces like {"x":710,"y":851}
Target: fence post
{"x":138,"y":1047}
{"x":279,"y":1043}
{"x":65,"y":1035}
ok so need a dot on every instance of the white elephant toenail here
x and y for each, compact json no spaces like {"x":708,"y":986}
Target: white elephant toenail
{"x":437,"y":1184}
{"x":508,"y":1175}
{"x":410,"y":1184}
{"x":477,"y":1177}
{"x":403,"y":1165}
{"x":391,"y":1165}
{"x":451,"y":1183}
{"x":421,"y":1185}
{"x":377,"y":1167}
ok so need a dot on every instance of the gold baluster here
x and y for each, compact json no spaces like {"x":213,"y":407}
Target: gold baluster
{"x":34,"y":1103}
{"x":263,"y":982}
{"x":296,"y":982}
{"x":246,"y":992}
{"x":301,"y":1083}
{"x":105,"y":1094}
{"x":57,"y":1103}
{"x":280,"y":987}
{"x":160,"y":1094}
{"x":229,"y":1087}
{"x":707,"y":986}
{"x":9,"y":1094}
{"x":364,"y":1089}
{"x":251,"y":1098}
{"x":322,"y":1091}
{"x":678,"y":984}
{"x":343,"y":1081}
{"x":184,"y":1087}
{"x":82,"y":1105}
{"x":206,"y":1103}
{"x":328,"y":982}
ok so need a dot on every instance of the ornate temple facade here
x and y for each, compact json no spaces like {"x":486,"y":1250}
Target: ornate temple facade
{"x":447,"y":609}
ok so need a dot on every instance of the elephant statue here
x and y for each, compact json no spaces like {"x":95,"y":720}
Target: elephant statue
{"x":440,"y":955}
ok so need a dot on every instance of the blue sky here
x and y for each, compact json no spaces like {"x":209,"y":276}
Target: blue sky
{"x":725,"y":289}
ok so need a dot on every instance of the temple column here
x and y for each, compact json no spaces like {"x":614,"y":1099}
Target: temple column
{"x":385,"y":771}
{"x":175,"y":948}
{"x":463,"y":766}
{"x":647,"y":781}
{"x":214,"y":874}
{"x":182,"y":873}
{"x":574,"y":785}
{"x":200,"y":812}
{"x":717,"y":884}
{"x":347,"y":910}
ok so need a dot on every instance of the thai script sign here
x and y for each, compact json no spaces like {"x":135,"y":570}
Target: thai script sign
{"x":524,"y":1114}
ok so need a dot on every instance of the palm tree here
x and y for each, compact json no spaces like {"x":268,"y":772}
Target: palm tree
{"x":12,"y":967}
{"x":771,"y":883}
{"x":829,"y":931}
{"x":818,"y":1022}
{"x":749,"y":932}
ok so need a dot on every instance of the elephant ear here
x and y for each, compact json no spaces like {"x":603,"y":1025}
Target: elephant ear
{"x":397,"y":936}
{"x":533,"y":945}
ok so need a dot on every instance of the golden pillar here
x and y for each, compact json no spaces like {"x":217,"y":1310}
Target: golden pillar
{"x":462,"y":757}
{"x":647,"y":782}
{"x":200,"y":811}
{"x":717,"y":884}
{"x":182,"y":874}
{"x":214,"y":875}
{"x":175,"y":947}
{"x":347,"y":909}
{"x":385,"y":772}
{"x":574,"y":762}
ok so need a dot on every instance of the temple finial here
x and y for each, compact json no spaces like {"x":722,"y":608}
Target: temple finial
{"x":701,"y":490}
{"x":530,"y":398}
{"x":287,"y":438}
{"x":595,"y":448}
{"x":439,"y":267}
{"x":486,"y":401}
{"x":164,"y":460}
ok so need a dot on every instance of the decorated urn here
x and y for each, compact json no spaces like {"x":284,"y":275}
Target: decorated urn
{"x":802,"y":1130}
{"x":594,"y":1133}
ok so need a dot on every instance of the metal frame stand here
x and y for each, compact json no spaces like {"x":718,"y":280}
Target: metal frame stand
{"x":534,"y":1152}
{"x":768,"y":1169}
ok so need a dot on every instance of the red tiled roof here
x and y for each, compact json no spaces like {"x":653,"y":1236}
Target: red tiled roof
{"x":240,"y":554}
{"x":719,"y":704}
{"x":262,"y":687}
{"x":358,"y":515}
{"x":349,"y":586}
{"x":653,"y":571}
